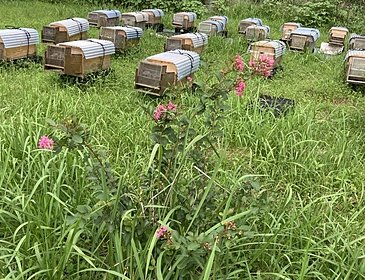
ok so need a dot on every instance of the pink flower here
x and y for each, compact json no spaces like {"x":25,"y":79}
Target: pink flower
{"x":251,"y":63}
{"x":189,"y":78}
{"x":45,"y":143}
{"x":238,"y":63}
{"x":171,"y":107}
{"x":161,"y":231}
{"x":159,"y":111}
{"x":240,"y":87}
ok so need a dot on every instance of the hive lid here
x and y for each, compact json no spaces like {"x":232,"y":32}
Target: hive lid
{"x":355,"y":53}
{"x":221,"y":18}
{"x":92,"y":48}
{"x":17,"y":37}
{"x":263,"y":27}
{"x":186,"y":62}
{"x":109,"y":13}
{"x":131,"y":31}
{"x":139,"y":16}
{"x":219,"y":24}
{"x":314,"y":33}
{"x":356,"y":36}
{"x":339,"y":28}
{"x":73,"y":25}
{"x":156,"y":12}
{"x":256,"y":21}
{"x":198,"y":39}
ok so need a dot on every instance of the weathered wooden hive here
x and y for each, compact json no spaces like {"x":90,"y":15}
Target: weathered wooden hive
{"x":78,"y":58}
{"x":156,"y":73}
{"x":288,"y":28}
{"x":304,"y":39}
{"x":257,"y":33}
{"x":138,"y":19}
{"x":274,"y":49}
{"x":214,"y":26}
{"x":184,"y":20}
{"x":338,"y":36}
{"x":248,"y":22}
{"x":101,"y":18}
{"x":357,"y":42}
{"x":189,"y":41}
{"x":16,"y":43}
{"x":154,"y":18}
{"x":355,"y":67}
{"x":123,"y":37}
{"x":65,"y":30}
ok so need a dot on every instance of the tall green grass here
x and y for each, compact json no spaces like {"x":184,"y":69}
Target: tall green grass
{"x":309,"y":163}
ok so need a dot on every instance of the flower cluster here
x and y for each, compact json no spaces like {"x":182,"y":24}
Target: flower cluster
{"x":263,"y":66}
{"x":238,"y":63}
{"x":162,"y":111}
{"x":161,"y":231}
{"x":45,"y":143}
{"x":240,"y":87}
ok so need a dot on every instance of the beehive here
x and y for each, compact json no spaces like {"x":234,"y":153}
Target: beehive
{"x":303,"y":39}
{"x":16,"y":43}
{"x":355,"y":67}
{"x":154,"y":18}
{"x":184,"y":21}
{"x":287,"y":28}
{"x":223,"y":19}
{"x":338,"y":36}
{"x":274,"y":49}
{"x":79,"y":58}
{"x":123,"y":37}
{"x":65,"y":30}
{"x":357,"y":42}
{"x":102,"y":18}
{"x":138,"y":19}
{"x":189,"y":41}
{"x":257,"y":33}
{"x":248,"y":22}
{"x":156,"y":73}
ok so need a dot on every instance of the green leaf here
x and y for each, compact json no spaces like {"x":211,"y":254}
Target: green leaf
{"x":77,"y":139}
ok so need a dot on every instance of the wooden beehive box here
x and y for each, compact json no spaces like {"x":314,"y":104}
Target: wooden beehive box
{"x":288,"y":28}
{"x":304,"y":39}
{"x":65,"y":30}
{"x":16,"y":43}
{"x":158,"y":72}
{"x":248,"y":22}
{"x":79,"y":58}
{"x":154,"y":16}
{"x":338,"y":36}
{"x":213,"y":27}
{"x":137,"y":19}
{"x":184,"y":21}
{"x":123,"y":37}
{"x":103,"y":18}
{"x":355,"y":67}
{"x":357,"y":42}
{"x":257,"y":33}
{"x":274,"y":49}
{"x":195,"y":42}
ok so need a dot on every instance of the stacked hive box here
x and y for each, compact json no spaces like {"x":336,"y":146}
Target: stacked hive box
{"x":79,"y":58}
{"x":287,"y":29}
{"x":273,"y":49}
{"x":215,"y":25}
{"x":156,"y":73}
{"x":357,"y":42}
{"x":303,"y":39}
{"x":257,"y":33}
{"x":65,"y":30}
{"x":336,"y":42}
{"x":18,"y":43}
{"x":355,"y":67}
{"x":104,"y":18}
{"x":248,"y":22}
{"x":189,"y":41}
{"x":154,"y":19}
{"x":137,"y":19}
{"x":184,"y":21}
{"x":123,"y":37}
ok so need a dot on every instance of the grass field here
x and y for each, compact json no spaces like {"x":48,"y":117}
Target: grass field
{"x":305,"y":222}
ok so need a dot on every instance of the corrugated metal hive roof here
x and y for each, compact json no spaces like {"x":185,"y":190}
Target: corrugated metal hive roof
{"x":73,"y":25}
{"x":93,"y":47}
{"x":17,"y":37}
